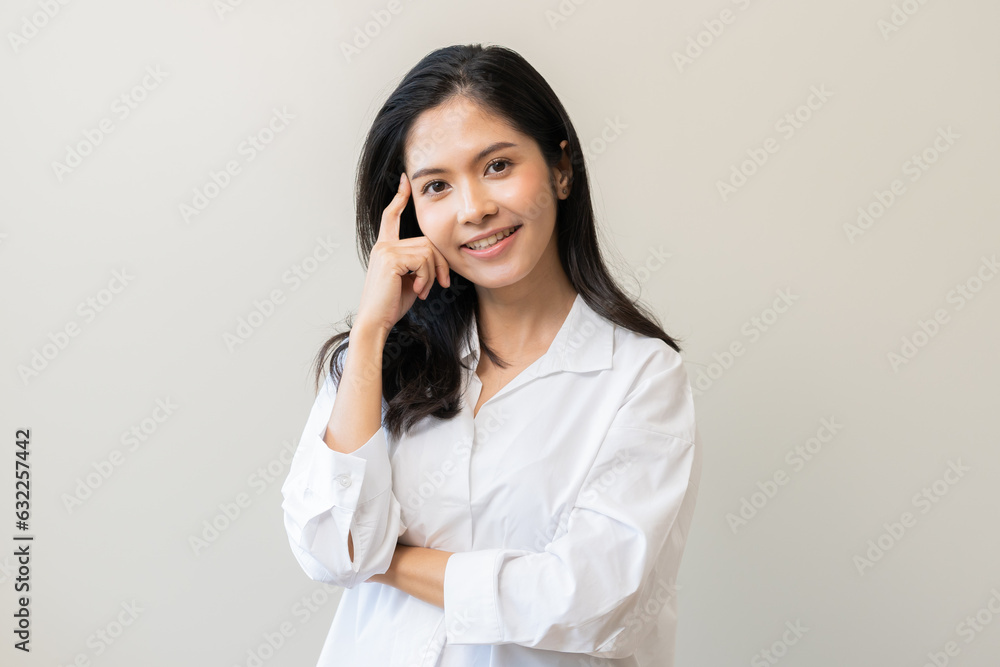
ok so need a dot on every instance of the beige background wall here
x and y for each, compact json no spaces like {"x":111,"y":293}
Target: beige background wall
{"x":812,"y":430}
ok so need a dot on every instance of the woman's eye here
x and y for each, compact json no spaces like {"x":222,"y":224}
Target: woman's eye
{"x":504,"y":162}
{"x":428,"y":187}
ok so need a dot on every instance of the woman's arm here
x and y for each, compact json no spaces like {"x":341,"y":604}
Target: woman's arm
{"x":418,"y":571}
{"x":340,"y":514}
{"x":602,"y":585}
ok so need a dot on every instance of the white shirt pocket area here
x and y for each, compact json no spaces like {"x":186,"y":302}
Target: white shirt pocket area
{"x":328,"y":494}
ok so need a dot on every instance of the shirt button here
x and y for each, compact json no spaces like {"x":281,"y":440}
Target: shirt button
{"x":345,"y":480}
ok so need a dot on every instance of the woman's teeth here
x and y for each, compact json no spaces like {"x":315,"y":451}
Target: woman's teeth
{"x":487,"y":242}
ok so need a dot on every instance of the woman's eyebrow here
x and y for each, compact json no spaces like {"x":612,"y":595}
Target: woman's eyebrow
{"x":427,"y":171}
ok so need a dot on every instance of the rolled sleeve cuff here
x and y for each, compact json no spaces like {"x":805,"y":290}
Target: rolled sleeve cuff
{"x":338,"y":483}
{"x":336,"y":493}
{"x":348,"y":480}
{"x":471,"y":614}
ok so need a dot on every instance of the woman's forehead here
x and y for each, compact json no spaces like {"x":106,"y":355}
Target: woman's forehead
{"x":456,"y":131}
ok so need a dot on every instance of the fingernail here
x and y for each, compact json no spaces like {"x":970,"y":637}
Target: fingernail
{"x":401,"y":177}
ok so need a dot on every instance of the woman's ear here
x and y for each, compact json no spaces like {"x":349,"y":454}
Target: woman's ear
{"x":565,"y":167}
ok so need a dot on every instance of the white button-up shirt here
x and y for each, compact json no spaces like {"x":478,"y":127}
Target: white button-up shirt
{"x":566,"y":499}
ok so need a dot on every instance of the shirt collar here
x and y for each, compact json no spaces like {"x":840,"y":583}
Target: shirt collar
{"x":584,"y":342}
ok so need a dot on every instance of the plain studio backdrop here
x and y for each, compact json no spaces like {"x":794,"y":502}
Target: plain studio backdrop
{"x":804,"y":192}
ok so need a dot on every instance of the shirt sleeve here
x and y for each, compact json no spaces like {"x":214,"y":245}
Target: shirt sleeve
{"x":586,"y":590}
{"x":328,"y":493}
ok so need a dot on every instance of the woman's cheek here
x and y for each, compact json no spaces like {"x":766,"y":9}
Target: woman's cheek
{"x":527,"y":203}
{"x":440,"y":237}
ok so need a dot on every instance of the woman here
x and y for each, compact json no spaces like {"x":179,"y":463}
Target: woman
{"x":524,"y":506}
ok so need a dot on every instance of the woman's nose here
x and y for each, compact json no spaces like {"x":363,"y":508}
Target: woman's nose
{"x":477,"y":202}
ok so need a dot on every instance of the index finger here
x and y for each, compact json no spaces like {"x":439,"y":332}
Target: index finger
{"x":389,"y":228}
{"x":441,"y":269}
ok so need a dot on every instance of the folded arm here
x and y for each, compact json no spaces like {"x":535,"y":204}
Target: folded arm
{"x":418,"y":571}
{"x":340,"y":514}
{"x":587,"y":592}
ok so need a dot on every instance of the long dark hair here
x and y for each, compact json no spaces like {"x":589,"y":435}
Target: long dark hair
{"x":421,"y":369}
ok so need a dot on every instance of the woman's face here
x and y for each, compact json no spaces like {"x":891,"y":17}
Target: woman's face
{"x":472,"y":174}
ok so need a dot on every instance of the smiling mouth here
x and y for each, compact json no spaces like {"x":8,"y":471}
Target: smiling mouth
{"x":482,"y":244}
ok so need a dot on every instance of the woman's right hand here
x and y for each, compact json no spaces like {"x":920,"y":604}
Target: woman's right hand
{"x":398,"y":270}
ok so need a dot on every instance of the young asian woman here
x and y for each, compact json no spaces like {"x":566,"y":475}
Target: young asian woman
{"x":502,"y":462}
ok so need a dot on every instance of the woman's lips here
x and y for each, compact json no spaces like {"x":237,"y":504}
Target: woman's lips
{"x":496,"y":248}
